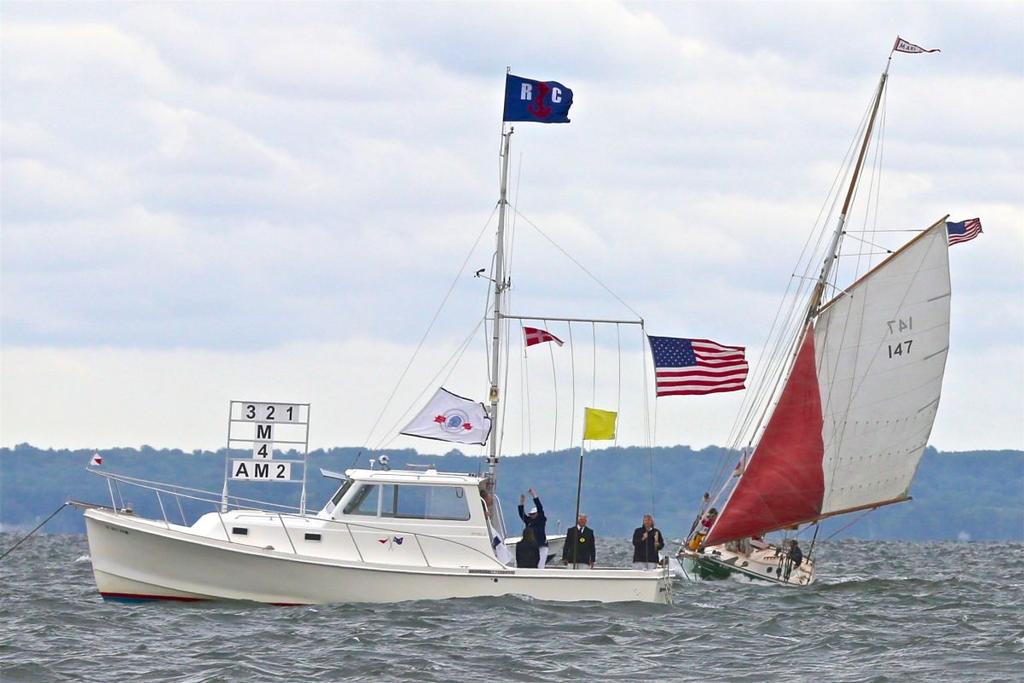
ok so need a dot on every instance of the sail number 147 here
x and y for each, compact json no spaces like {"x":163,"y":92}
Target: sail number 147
{"x":895,"y":327}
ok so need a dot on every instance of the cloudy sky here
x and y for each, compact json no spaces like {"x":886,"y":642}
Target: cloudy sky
{"x":215,"y":201}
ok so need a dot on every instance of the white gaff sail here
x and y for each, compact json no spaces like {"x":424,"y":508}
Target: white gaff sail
{"x":855,"y":414}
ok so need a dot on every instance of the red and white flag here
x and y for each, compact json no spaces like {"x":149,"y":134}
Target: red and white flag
{"x":96,"y":460}
{"x":903,"y":46}
{"x":535,"y":335}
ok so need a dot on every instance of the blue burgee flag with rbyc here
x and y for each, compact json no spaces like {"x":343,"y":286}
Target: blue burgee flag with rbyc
{"x":540,"y":101}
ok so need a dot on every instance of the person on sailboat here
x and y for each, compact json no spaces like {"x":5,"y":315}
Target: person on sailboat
{"x":795,"y":556}
{"x":579,"y":545}
{"x":705,"y":526}
{"x":535,"y":520}
{"x":647,"y":541}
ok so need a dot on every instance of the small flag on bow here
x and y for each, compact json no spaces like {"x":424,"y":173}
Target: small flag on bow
{"x":535,"y":335}
{"x":96,"y":460}
{"x":903,"y":46}
{"x":964,"y":231}
{"x":599,"y":425}
{"x":540,"y":101}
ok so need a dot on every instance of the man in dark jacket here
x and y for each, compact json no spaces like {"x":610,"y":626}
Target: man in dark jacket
{"x":795,"y":556}
{"x":579,"y":545}
{"x":647,"y":541}
{"x":536,"y":521}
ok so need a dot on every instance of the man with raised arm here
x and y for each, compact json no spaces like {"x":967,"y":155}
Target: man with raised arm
{"x":536,"y":521}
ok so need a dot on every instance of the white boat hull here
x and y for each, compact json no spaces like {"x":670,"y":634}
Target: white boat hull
{"x":764,"y":565}
{"x":135,"y":558}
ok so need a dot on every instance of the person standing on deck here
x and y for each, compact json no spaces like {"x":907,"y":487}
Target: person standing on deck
{"x":535,"y":520}
{"x":795,"y":556}
{"x":647,"y":541}
{"x":579,"y":544}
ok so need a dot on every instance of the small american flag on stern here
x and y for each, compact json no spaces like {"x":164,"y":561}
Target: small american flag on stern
{"x":964,"y":231}
{"x":696,"y":366}
{"x":535,"y":335}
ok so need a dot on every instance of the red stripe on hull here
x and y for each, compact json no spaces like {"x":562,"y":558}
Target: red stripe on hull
{"x":180,"y":598}
{"x":784,"y":482}
{"x":142,"y":596}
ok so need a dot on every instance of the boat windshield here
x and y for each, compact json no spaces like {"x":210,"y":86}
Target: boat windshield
{"x":410,"y":501}
{"x":340,"y":493}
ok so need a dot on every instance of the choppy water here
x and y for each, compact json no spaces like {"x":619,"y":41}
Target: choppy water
{"x":880,"y":612}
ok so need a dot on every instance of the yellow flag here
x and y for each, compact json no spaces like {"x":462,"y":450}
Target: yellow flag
{"x":599,"y":425}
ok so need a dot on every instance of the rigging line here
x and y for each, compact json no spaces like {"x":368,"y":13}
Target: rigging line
{"x":487,"y":309}
{"x":554,"y":383}
{"x":893,"y":230}
{"x":647,"y":416}
{"x":881,"y":165}
{"x":506,"y":323}
{"x":522,"y":391}
{"x":838,"y":439}
{"x":29,"y":534}
{"x":885,"y":250}
{"x":430,"y":326}
{"x":572,"y":387}
{"x":618,"y":390}
{"x":593,"y":385}
{"x":577,"y":263}
{"x":528,"y":439}
{"x":760,"y":399}
{"x":515,"y":207}
{"x":453,"y":360}
{"x":847,"y":526}
{"x":748,"y":408}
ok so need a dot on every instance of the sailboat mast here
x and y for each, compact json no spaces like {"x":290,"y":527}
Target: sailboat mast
{"x":500,"y":286}
{"x":833,"y":247}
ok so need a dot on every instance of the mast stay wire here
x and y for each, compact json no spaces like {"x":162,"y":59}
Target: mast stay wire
{"x":554,"y":383}
{"x":453,"y":360}
{"x":572,"y":387}
{"x":430,"y":326}
{"x":579,"y":265}
{"x":785,"y":326}
{"x":834,"y":279}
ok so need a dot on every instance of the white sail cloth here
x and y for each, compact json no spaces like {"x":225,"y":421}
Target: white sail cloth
{"x":449,"y":417}
{"x":882,"y":347}
{"x":855,"y":414}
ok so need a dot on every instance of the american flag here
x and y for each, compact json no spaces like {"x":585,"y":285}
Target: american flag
{"x":964,"y":231}
{"x":537,"y":336}
{"x":696,"y":366}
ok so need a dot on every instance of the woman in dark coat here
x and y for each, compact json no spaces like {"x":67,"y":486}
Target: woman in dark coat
{"x":527,"y":551}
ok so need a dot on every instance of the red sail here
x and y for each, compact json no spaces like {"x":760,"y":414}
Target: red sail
{"x":784,"y":482}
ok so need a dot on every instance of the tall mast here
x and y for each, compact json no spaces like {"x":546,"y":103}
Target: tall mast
{"x":833,"y":247}
{"x":500,"y":285}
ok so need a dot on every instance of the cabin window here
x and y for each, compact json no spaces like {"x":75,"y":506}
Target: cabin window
{"x":240,"y":531}
{"x":312,"y":537}
{"x":336,"y":498}
{"x":364,"y":502}
{"x":410,"y":501}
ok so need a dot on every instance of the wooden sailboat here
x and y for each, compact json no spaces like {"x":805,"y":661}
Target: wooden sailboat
{"x":858,"y":398}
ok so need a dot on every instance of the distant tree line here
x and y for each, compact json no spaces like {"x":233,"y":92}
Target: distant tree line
{"x":974,"y":495}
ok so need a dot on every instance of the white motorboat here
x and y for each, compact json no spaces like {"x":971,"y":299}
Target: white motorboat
{"x":384,"y":536}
